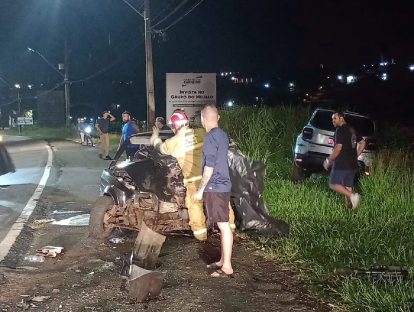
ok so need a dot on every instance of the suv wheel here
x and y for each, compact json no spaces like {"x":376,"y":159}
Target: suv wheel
{"x":299,"y":175}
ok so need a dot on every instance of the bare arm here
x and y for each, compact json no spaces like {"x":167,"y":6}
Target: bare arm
{"x":207,"y":173}
{"x":335,"y":152}
{"x":112,"y":117}
{"x":98,"y":128}
{"x":361,"y":147}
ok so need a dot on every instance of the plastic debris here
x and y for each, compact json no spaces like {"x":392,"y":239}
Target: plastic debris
{"x":34,"y":258}
{"x":49,"y":251}
{"x":43,"y":221}
{"x":40,"y":298}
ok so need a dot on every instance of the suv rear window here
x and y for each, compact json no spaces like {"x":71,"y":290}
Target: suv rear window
{"x":323,"y":120}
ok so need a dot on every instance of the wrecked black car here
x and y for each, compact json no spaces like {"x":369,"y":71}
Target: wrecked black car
{"x":150,"y":188}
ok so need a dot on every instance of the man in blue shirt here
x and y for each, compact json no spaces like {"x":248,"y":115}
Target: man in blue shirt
{"x":216,"y":187}
{"x":129,"y":128}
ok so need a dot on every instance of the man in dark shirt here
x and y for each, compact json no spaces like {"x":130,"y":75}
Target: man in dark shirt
{"x":102,"y":126}
{"x":160,"y":124}
{"x":215,"y":187}
{"x":348,"y":146}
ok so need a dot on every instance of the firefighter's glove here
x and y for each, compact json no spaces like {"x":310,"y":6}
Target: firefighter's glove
{"x":155,"y":137}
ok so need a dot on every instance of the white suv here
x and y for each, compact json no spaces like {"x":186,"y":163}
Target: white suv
{"x":316,"y":141}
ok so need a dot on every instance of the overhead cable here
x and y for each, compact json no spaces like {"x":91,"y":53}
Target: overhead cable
{"x":133,"y":8}
{"x":178,"y":19}
{"x":171,"y":13}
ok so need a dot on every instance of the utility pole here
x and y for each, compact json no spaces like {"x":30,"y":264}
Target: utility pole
{"x":149,"y":67}
{"x":67,"y":92}
{"x":19,"y":105}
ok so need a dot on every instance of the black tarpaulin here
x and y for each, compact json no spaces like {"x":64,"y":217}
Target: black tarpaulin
{"x":247,"y":179}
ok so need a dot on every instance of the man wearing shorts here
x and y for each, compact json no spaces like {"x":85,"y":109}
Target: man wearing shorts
{"x":215,"y":187}
{"x":344,"y":159}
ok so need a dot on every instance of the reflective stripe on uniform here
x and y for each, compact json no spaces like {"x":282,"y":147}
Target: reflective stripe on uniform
{"x":192,"y":179}
{"x":198,"y":232}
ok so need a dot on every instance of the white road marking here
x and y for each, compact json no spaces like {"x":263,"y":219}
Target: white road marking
{"x":17,"y":227}
{"x":80,"y":220}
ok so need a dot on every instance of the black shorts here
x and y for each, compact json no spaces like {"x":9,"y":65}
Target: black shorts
{"x":343,"y":177}
{"x":216,"y":205}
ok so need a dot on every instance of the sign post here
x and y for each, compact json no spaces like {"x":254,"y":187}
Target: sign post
{"x":190,"y":92}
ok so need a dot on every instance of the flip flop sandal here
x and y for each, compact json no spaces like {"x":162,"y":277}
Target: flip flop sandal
{"x":213,"y":266}
{"x":221,"y":273}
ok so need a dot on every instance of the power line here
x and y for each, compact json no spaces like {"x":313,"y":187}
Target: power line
{"x":160,"y":12}
{"x":178,"y":19}
{"x":171,"y":13}
{"x":36,"y":96}
{"x":104,"y":69}
{"x":133,"y":8}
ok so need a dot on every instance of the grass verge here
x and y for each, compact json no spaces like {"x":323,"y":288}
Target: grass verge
{"x":36,"y":132}
{"x":325,"y":237}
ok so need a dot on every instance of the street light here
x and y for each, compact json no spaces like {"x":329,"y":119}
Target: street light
{"x":65,"y":80}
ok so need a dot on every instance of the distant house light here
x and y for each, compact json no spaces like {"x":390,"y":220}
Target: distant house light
{"x":222,"y":74}
{"x":267,"y":85}
{"x":411,"y":67}
{"x":384,"y":76}
{"x":350,"y":79}
{"x":383,"y":63}
{"x":230,"y":103}
{"x":340,"y":77}
{"x":233,"y":78}
{"x":291,"y":84}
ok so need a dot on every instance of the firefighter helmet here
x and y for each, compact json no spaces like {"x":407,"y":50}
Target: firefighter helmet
{"x":178,"y":119}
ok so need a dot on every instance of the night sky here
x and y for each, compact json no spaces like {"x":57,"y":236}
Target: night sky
{"x":285,"y":37}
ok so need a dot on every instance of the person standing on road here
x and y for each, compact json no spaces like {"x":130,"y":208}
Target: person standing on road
{"x":215,"y":187}
{"x":160,"y":124}
{"x":129,"y":128}
{"x":102,"y":126}
{"x":344,"y":159}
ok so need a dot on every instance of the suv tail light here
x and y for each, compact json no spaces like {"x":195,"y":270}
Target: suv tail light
{"x":307,"y":133}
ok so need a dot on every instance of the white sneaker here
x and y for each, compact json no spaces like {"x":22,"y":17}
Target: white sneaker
{"x":355,"y":200}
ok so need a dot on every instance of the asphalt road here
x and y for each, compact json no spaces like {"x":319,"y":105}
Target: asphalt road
{"x":71,"y":188}
{"x":29,"y":157}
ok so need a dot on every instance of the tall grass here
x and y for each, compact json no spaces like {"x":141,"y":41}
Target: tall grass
{"x":266,"y":134}
{"x":325,"y":237}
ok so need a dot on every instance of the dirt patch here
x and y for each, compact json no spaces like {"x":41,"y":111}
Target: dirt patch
{"x":86,"y":278}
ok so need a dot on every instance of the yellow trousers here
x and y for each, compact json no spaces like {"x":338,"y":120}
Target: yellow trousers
{"x":104,"y":144}
{"x":196,"y":215}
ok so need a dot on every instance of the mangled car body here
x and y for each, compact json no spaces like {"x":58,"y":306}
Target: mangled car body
{"x":150,"y":188}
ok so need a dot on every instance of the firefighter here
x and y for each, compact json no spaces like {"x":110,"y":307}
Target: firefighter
{"x":186,"y":146}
